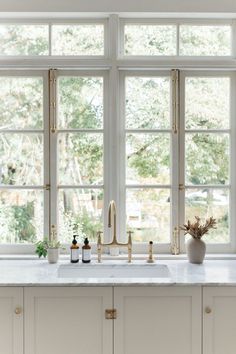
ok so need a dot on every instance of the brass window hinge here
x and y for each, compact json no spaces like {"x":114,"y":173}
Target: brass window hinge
{"x":52,"y":96}
{"x":175,"y":244}
{"x":175,"y":100}
{"x":110,"y":314}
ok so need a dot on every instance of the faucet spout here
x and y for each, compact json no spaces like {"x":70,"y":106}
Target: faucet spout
{"x":112,"y":219}
{"x":114,"y":242}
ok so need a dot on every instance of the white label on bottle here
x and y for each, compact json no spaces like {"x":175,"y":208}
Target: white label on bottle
{"x":86,"y":255}
{"x":74,"y":254}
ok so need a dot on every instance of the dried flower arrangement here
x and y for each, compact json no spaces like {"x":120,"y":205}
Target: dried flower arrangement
{"x":197,"y":230}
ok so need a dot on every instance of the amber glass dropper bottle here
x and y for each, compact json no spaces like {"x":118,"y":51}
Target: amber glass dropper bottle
{"x":74,"y":251}
{"x":86,"y":251}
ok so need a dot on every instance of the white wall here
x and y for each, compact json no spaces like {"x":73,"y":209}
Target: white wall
{"x":158,"y":6}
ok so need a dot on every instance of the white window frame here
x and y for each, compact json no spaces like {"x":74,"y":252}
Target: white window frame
{"x":175,"y":22}
{"x":222,"y":247}
{"x":173,"y":186}
{"x":28,"y":248}
{"x":50,"y":23}
{"x":107,"y":140}
{"x":114,"y":65}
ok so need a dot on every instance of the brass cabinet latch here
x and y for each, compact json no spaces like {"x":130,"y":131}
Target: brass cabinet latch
{"x":110,"y":314}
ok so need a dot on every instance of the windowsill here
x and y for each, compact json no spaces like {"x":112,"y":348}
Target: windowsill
{"x":163,"y":256}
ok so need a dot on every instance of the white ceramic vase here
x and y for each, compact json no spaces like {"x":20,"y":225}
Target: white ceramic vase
{"x":196,"y":250}
{"x":53,"y":255}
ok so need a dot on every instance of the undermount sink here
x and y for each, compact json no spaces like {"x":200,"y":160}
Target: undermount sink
{"x":113,"y":271}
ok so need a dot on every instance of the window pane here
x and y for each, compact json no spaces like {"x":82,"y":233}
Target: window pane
{"x":207,"y":158}
{"x":85,"y":39}
{"x":207,"y":102}
{"x":21,"y":103}
{"x":150,"y":40}
{"x":80,"y":158}
{"x":147,"y":102}
{"x":205,"y":40}
{"x":24,"y":39}
{"x":148,"y":214}
{"x":210,"y":202}
{"x":80,"y":102}
{"x":21,"y":216}
{"x":21,"y":159}
{"x":80,"y":211}
{"x":148,"y":159}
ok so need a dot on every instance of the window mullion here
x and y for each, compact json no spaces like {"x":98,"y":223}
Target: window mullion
{"x":46,"y":162}
{"x":53,"y":148}
{"x":175,"y":163}
{"x":181,"y":160}
{"x":233,"y":163}
{"x":122,"y":162}
{"x":113,"y":166}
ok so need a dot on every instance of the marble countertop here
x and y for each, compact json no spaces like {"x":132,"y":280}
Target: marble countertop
{"x":40,"y":273}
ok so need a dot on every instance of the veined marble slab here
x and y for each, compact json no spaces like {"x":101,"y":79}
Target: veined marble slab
{"x":40,"y":273}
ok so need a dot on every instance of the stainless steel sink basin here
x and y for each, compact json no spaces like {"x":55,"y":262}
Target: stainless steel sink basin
{"x":113,"y":271}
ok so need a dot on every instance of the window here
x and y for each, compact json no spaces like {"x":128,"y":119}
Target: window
{"x":137,"y":110}
{"x":19,"y":39}
{"x":23,"y":148}
{"x":150,"y":39}
{"x":175,"y":38}
{"x":80,"y":149}
{"x":78,"y":39}
{"x":148,"y":155}
{"x":208,"y":121}
{"x":205,"y":40}
{"x":56,"y":39}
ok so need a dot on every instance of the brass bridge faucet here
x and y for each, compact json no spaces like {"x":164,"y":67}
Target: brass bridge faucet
{"x":114,"y":242}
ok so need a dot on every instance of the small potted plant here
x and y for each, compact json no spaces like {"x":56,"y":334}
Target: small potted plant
{"x":195,"y":246}
{"x":50,"y":248}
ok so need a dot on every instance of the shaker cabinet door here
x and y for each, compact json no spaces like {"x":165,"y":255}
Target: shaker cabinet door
{"x":161,"y":320}
{"x":68,"y":320}
{"x":11,"y":320}
{"x":219,"y":320}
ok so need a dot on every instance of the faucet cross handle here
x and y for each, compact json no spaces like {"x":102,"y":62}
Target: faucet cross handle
{"x":129,"y":245}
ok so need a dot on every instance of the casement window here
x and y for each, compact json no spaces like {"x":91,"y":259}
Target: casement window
{"x":90,"y":110}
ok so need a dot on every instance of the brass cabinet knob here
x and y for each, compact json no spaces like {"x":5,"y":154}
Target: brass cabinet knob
{"x":208,"y":310}
{"x":18,"y":310}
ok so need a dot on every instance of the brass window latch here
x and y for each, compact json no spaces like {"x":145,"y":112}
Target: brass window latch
{"x":110,"y":314}
{"x":175,"y":244}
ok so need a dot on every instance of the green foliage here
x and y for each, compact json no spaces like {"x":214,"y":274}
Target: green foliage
{"x":22,"y":222}
{"x":89,"y":225}
{"x":42,"y":247}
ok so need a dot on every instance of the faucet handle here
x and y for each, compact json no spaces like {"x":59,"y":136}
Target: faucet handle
{"x":150,"y":253}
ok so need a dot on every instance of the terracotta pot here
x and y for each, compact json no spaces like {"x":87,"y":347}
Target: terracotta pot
{"x":53,"y":255}
{"x":196,"y":250}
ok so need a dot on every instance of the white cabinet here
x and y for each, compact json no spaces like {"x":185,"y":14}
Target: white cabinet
{"x":68,"y":320}
{"x":11,"y":320}
{"x":71,"y":320}
{"x":157,"y":320}
{"x":219,"y":320}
